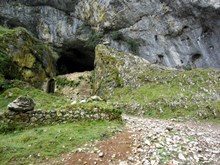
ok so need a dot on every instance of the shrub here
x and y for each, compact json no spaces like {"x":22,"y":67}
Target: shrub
{"x":187,"y":67}
{"x":117,"y":35}
{"x":133,"y":45}
{"x":6,"y":127}
{"x":94,"y":39}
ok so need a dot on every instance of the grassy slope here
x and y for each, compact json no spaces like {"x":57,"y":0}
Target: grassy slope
{"x":168,"y":94}
{"x":141,"y":88}
{"x":43,"y":100}
{"x":37,"y":144}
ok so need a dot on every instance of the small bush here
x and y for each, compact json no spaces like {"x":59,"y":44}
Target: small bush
{"x":133,"y":45}
{"x":65,"y":82}
{"x":94,"y":39}
{"x":117,"y":35}
{"x":6,"y":127}
{"x":187,"y":67}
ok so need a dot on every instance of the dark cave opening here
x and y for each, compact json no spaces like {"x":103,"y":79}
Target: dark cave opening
{"x":196,"y":57}
{"x":75,"y":60}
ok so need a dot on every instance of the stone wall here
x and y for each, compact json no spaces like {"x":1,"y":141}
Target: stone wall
{"x":62,"y":116}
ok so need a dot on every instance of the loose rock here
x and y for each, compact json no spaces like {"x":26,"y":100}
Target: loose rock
{"x":22,"y":104}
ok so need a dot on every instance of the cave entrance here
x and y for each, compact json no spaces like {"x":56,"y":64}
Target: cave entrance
{"x":75,"y":60}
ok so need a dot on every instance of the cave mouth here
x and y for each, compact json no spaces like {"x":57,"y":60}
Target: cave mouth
{"x":195,"y":57}
{"x":75,"y":60}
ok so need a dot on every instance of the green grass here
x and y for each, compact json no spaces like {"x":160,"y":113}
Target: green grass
{"x":170,"y":94}
{"x":44,"y":101}
{"x":37,"y":144}
{"x":4,"y":31}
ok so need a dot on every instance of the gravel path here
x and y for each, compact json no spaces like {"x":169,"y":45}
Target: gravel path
{"x":171,"y":143}
{"x":152,"y":142}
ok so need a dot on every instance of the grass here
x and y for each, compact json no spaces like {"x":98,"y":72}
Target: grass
{"x":171,"y":94}
{"x":44,"y":101}
{"x":38,"y":144}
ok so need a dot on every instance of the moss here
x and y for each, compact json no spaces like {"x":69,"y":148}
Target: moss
{"x":20,"y":51}
{"x":106,"y":72}
{"x":26,"y":60}
{"x":63,"y":81}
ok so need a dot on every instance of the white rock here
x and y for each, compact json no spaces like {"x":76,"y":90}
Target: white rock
{"x":181,"y":156}
{"x":123,"y":163}
{"x":74,"y":102}
{"x":101,"y":154}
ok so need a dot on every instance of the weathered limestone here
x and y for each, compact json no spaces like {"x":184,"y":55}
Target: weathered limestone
{"x":172,"y":33}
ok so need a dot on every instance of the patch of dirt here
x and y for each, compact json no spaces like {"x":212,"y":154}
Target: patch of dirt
{"x":110,"y":151}
{"x":82,"y":88}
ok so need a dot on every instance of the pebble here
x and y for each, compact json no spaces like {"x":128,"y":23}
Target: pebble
{"x":101,"y":154}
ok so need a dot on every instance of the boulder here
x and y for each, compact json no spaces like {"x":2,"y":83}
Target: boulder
{"x":22,"y":104}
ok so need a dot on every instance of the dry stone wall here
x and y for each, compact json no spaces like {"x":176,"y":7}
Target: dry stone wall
{"x":62,"y":116}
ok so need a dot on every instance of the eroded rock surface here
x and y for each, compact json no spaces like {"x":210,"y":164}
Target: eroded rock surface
{"x":172,"y":33}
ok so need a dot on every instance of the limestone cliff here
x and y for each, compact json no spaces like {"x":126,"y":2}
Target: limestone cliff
{"x":172,"y":33}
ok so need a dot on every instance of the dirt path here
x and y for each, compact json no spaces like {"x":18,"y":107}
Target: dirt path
{"x":153,"y":142}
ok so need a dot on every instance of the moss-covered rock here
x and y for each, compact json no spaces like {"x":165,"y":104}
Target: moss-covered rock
{"x":116,"y":69}
{"x":141,"y":88}
{"x":24,"y":57}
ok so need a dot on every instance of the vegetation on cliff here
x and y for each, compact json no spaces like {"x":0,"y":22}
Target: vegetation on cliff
{"x":141,"y":88}
{"x":24,"y":57}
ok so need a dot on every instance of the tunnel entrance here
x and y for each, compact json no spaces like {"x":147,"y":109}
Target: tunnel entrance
{"x":75,"y":60}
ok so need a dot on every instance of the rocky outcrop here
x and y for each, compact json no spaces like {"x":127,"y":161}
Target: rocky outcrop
{"x":139,"y":87}
{"x":116,"y":69}
{"x":172,"y":33}
{"x":22,"y":104}
{"x":24,"y":57}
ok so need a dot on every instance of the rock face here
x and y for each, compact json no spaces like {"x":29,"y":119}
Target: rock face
{"x":172,"y":33}
{"x":24,"y":57}
{"x":116,"y":69}
{"x":22,"y":104}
